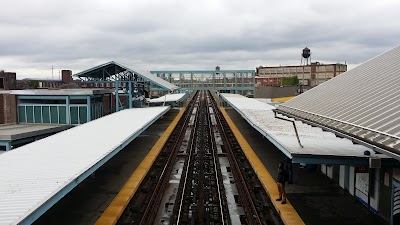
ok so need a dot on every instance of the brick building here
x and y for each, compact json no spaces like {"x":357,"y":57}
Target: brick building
{"x":8,"y":113}
{"x":308,"y":75}
{"x":7,"y":80}
{"x":8,"y":108}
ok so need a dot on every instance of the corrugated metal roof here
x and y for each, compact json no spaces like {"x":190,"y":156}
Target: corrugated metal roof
{"x":151,"y":77}
{"x":315,"y":141}
{"x":33,"y":174}
{"x":363,"y":102}
{"x":146,"y":75}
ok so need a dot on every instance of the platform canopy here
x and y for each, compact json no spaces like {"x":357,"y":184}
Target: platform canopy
{"x":169,"y":98}
{"x":117,"y":71}
{"x":37,"y":175}
{"x":317,"y":146}
{"x":362,"y":104}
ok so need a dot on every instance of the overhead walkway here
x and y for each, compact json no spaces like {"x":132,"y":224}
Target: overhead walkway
{"x":36,"y":176}
{"x":315,"y":147}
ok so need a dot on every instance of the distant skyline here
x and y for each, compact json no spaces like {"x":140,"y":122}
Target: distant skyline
{"x":187,"y":34}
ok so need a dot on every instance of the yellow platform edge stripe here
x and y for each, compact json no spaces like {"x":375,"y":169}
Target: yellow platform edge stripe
{"x":114,"y":211}
{"x":287,"y":213}
{"x":282,"y":99}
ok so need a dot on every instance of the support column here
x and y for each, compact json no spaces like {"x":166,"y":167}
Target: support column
{"x":245,"y":74}
{"x":224,"y":80}
{"x":67,"y":111}
{"x":89,"y":108}
{"x":202,"y":80}
{"x":191,"y":80}
{"x":236,"y":86}
{"x":8,"y":146}
{"x":180,"y":80}
{"x":116,"y":96}
{"x":130,"y":94}
{"x":213,"y":80}
{"x":110,"y":105}
{"x":253,"y":75}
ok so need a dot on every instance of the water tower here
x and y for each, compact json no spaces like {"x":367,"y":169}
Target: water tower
{"x":305,"y":55}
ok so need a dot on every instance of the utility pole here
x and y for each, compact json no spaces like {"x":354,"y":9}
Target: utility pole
{"x":52,"y":68}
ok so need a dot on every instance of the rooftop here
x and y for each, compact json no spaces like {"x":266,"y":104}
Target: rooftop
{"x":362,"y":104}
{"x":316,"y":143}
{"x":79,"y":91}
{"x":19,"y":131}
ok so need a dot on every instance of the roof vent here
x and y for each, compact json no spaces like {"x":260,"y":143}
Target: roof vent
{"x":374,"y":162}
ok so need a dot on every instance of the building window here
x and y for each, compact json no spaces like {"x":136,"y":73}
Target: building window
{"x":1,"y":83}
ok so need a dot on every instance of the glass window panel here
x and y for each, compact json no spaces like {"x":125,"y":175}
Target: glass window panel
{"x":74,"y":115}
{"x":82,"y":114}
{"x":63,"y":114}
{"x":29,"y":114}
{"x":38,"y":114}
{"x":21,"y":114}
{"x":46,"y":114}
{"x":53,"y":114}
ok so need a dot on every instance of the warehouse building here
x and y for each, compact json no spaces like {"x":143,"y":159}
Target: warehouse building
{"x":308,"y":75}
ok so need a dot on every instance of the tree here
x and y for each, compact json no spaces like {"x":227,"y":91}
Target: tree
{"x":290,"y":81}
{"x":33,"y":84}
{"x":27,"y":84}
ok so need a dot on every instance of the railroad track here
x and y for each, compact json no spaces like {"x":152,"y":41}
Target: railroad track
{"x":201,"y":177}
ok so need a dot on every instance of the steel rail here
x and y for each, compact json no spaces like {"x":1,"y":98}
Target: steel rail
{"x":156,"y":197}
{"x":216,"y":163}
{"x":187,"y":165}
{"x":251,"y":212}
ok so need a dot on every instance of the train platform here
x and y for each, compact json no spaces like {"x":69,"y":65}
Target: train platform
{"x":85,"y":204}
{"x":315,"y":197}
{"x":36,"y":176}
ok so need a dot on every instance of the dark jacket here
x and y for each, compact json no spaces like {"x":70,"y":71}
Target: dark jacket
{"x":282,"y":174}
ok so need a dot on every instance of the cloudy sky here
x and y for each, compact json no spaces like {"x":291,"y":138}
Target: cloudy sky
{"x":186,"y":34}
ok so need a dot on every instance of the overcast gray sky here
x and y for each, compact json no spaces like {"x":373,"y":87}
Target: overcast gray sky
{"x":188,"y":34}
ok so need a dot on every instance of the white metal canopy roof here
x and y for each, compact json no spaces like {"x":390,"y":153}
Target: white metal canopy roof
{"x":315,"y":141}
{"x":35,"y":176}
{"x":168,"y":98}
{"x":363,"y":103}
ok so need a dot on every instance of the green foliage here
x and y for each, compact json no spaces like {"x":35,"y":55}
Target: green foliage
{"x":33,"y":84}
{"x":290,"y":81}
